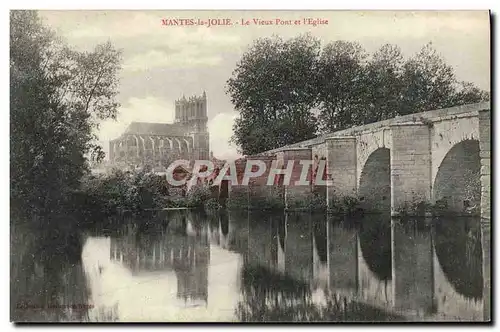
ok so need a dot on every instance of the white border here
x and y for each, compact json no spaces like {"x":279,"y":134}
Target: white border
{"x":257,"y":4}
{"x":189,"y":4}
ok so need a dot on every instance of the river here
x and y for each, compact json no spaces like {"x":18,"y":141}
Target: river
{"x":185,"y":266}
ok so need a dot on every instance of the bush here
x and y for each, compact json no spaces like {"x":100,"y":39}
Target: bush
{"x":266,"y":198}
{"x":420,"y":208}
{"x":124,"y":191}
{"x":442,"y":208}
{"x":312,"y":202}
{"x":346,"y":205}
{"x":274,"y":199}
{"x":198,"y":195}
{"x":238,"y":200}
{"x":120,"y":191}
{"x":212,"y":204}
{"x":316,"y":202}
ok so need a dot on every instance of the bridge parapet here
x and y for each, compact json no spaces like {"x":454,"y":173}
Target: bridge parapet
{"x":402,"y":157}
{"x":432,"y":116}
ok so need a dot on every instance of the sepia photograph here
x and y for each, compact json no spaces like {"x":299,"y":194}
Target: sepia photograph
{"x":250,"y":166}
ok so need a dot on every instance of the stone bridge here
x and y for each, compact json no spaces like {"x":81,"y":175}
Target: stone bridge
{"x":424,"y":157}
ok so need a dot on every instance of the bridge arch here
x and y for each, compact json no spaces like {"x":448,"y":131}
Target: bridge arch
{"x":448,"y":133}
{"x":375,"y":181}
{"x":369,"y":142}
{"x":458,"y":179}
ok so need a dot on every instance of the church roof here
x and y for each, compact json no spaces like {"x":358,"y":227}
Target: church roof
{"x":160,"y":129}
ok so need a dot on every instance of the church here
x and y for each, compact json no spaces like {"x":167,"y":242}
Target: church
{"x":156,"y":145}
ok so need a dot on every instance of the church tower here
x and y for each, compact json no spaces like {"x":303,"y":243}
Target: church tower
{"x":191,"y":113}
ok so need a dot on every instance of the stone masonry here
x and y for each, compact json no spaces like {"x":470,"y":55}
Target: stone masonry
{"x":419,"y":146}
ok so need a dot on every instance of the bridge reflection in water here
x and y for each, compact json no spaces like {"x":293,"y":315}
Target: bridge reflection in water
{"x":189,"y":267}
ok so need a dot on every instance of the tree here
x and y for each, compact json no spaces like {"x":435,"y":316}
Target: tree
{"x":274,"y":89}
{"x":278,"y":84}
{"x":468,"y":93}
{"x":341,"y":85}
{"x":56,"y":97}
{"x":428,"y":82}
{"x":354,"y":91}
{"x":382,"y":98}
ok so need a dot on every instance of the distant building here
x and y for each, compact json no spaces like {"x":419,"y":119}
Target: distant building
{"x":158,"y":144}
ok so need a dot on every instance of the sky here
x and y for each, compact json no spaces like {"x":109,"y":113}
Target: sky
{"x":161,"y":63}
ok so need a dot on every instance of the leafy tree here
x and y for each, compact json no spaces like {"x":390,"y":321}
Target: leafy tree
{"x":341,"y":85}
{"x":279,"y":86}
{"x":428,"y":82}
{"x":468,"y":93}
{"x":355,"y":91}
{"x":384,"y":87}
{"x":274,"y":89}
{"x":56,"y":97}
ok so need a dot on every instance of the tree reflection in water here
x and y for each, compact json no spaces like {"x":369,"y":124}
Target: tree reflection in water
{"x":273,"y":297}
{"x":47,"y":280}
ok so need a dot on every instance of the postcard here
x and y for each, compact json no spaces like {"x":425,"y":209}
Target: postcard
{"x":250,"y":166}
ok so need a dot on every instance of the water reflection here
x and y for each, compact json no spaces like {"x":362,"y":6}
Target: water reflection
{"x":165,"y":273}
{"x":186,"y":266}
{"x":47,"y":282}
{"x":458,"y":267}
{"x":320,"y":238}
{"x":458,"y":249}
{"x":343,"y":272}
{"x":375,"y":243}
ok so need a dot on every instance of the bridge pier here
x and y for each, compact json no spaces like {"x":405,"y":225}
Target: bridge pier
{"x":299,"y":247}
{"x":484,"y":154}
{"x":412,"y":272}
{"x":410,"y":166}
{"x":342,"y":257}
{"x":486,"y":252}
{"x":297,"y":194}
{"x":261,"y":247}
{"x":342,"y":168}
{"x":238,"y":195}
{"x":259,"y":192}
